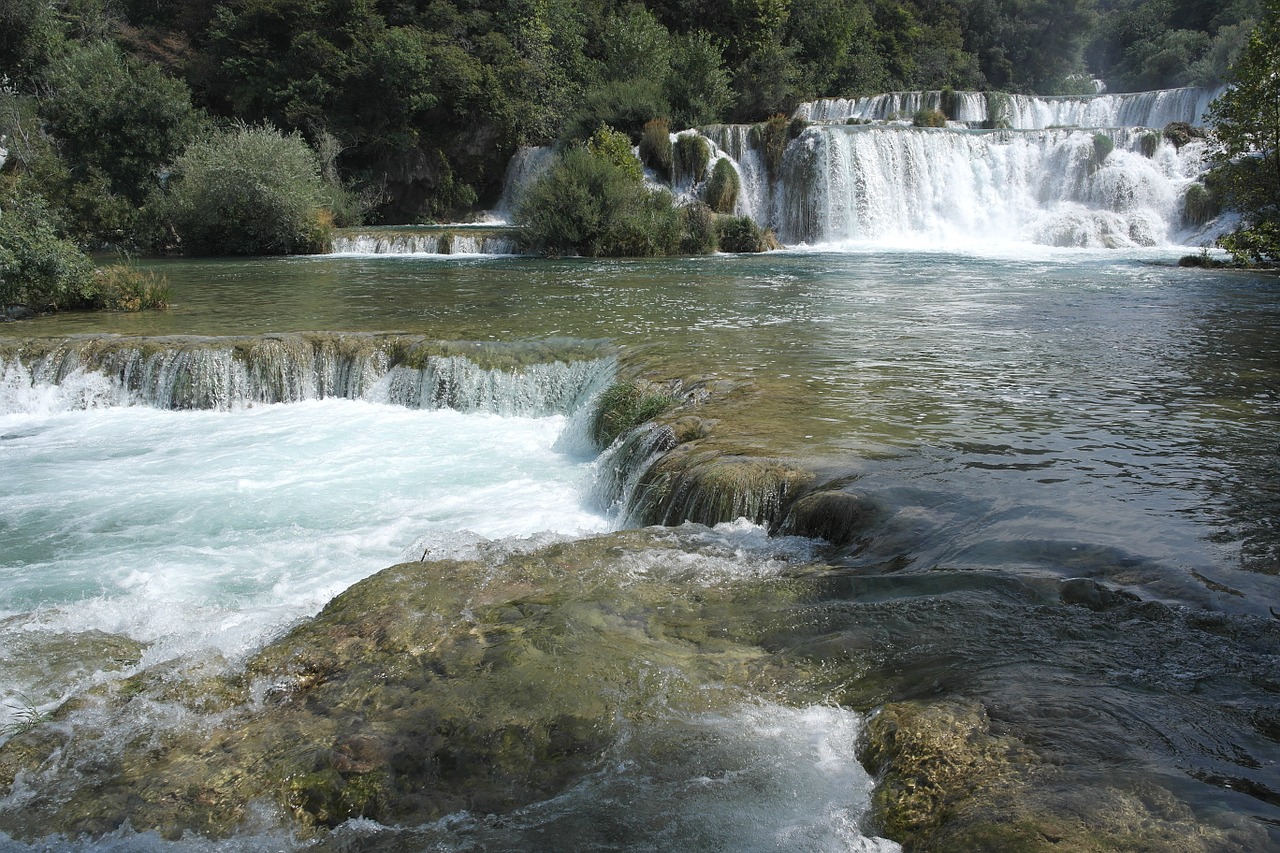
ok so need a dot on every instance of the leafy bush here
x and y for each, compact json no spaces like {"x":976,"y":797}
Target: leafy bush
{"x":38,"y":268}
{"x":1199,"y":205}
{"x":614,"y":147}
{"x":124,"y":288}
{"x":699,"y":237}
{"x":929,"y":118}
{"x":1149,"y":143}
{"x":692,"y":155}
{"x":773,"y":135}
{"x":250,"y":191}
{"x":590,"y":204}
{"x":117,"y":117}
{"x":742,"y":234}
{"x":655,"y":146}
{"x":1103,"y":145}
{"x":724,"y":186}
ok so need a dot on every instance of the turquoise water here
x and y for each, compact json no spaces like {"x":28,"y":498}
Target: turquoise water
{"x":1021,"y":424}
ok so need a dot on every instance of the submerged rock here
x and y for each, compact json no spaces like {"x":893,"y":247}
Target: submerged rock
{"x":949,"y":781}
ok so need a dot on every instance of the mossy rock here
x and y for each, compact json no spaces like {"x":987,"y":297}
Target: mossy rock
{"x":836,"y":516}
{"x":948,"y":782}
{"x":424,"y":690}
{"x":709,"y":486}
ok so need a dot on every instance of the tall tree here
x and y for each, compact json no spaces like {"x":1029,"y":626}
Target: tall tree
{"x":1246,"y":131}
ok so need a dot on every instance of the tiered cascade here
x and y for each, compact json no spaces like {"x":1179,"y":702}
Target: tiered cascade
{"x":229,"y":373}
{"x":1088,"y":172}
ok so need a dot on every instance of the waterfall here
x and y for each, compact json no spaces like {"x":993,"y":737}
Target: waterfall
{"x":738,"y":143}
{"x":229,"y":373}
{"x":1025,"y":112}
{"x":1053,"y":187}
{"x":527,"y":165}
{"x":425,"y":241}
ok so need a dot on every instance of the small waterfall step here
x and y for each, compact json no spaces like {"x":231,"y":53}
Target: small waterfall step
{"x":456,"y":239}
{"x":1023,"y":112}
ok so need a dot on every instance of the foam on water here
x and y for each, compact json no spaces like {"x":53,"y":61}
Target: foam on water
{"x":210,"y":532}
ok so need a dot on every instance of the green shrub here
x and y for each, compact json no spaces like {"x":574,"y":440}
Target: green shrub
{"x":724,"y":186}
{"x":1103,"y":145}
{"x":699,"y":237}
{"x":692,"y":155}
{"x":929,"y":118}
{"x":948,"y":102}
{"x":124,"y":288}
{"x":655,"y":146}
{"x":250,"y":191}
{"x":773,"y":136}
{"x":742,"y":234}
{"x":616,"y":148}
{"x":588,"y":204}
{"x":1149,"y":144}
{"x":998,"y":111}
{"x":1199,"y":205}
{"x":38,"y":268}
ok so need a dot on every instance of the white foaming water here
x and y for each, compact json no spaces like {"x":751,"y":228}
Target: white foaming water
{"x":758,"y":778}
{"x":1049,"y":187}
{"x":210,"y":532}
{"x":1026,"y":112}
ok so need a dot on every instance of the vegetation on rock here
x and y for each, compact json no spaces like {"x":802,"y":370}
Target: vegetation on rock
{"x":1246,"y":151}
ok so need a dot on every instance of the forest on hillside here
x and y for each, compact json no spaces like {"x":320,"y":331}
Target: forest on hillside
{"x":413,"y":107}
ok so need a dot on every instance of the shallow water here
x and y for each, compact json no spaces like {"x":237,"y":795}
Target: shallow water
{"x":1021,"y":422}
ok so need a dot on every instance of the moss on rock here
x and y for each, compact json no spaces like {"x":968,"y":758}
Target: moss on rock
{"x":949,"y":782}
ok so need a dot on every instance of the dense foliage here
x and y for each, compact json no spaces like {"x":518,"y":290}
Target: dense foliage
{"x":419,"y":105}
{"x":249,"y":191}
{"x":1246,"y":130}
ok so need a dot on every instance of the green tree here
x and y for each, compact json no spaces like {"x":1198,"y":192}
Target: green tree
{"x":1246,"y":134}
{"x":250,"y":191}
{"x":117,"y":124}
{"x":38,"y":268}
{"x":593,"y":202}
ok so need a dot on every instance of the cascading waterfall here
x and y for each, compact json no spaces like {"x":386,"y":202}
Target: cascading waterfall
{"x":228,"y":373}
{"x":1052,"y":187}
{"x":1045,"y":175}
{"x":1025,"y":112}
{"x":406,"y":242}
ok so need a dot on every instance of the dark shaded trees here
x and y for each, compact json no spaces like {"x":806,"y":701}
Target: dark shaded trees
{"x":1246,"y":134}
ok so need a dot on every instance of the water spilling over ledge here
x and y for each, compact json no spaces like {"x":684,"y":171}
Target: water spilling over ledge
{"x":1024,"y":112}
{"x":225,"y":373}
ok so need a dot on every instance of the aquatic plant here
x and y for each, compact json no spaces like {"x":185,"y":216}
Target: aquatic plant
{"x":1103,"y":145}
{"x":929,"y":118}
{"x":25,"y":716}
{"x":121,"y":287}
{"x":699,"y":229}
{"x":1149,"y":143}
{"x":1199,"y":205}
{"x":624,"y":406}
